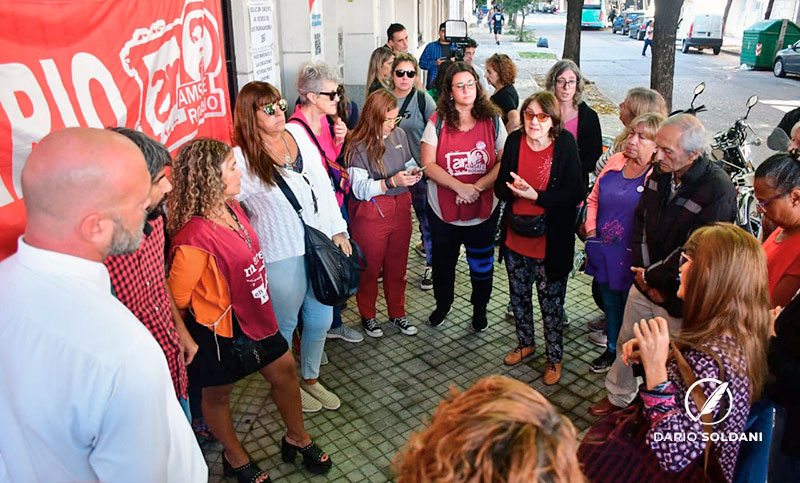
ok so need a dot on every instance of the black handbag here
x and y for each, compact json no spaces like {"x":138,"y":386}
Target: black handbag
{"x":333,"y":275}
{"x":530,"y":226}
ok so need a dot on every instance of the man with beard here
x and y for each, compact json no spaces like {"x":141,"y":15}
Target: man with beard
{"x":138,"y":277}
{"x":85,"y":392}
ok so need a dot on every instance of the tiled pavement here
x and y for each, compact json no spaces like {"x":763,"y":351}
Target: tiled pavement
{"x":390,"y":386}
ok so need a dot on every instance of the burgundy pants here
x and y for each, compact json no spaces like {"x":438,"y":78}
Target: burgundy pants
{"x":382,"y":228}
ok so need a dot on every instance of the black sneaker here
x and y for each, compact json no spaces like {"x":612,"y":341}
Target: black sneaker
{"x":427,"y":279}
{"x":437,"y":317}
{"x":404,"y":326}
{"x":372,"y":327}
{"x":479,"y":322}
{"x":603,"y":363}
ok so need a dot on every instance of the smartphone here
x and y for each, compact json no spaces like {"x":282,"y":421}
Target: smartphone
{"x":411,"y":170}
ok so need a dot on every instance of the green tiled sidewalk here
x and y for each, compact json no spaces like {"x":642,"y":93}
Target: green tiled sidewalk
{"x":390,"y":386}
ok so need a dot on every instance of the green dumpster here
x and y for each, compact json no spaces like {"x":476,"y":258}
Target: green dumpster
{"x":759,"y":42}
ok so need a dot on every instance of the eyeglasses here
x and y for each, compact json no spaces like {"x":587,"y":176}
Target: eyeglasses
{"x":540,"y":116}
{"x":566,"y":83}
{"x":393,"y":120}
{"x":683,"y":259}
{"x":762,"y":205}
{"x":270,"y":109}
{"x":333,"y":94}
{"x":408,"y":73}
{"x":465,"y":85}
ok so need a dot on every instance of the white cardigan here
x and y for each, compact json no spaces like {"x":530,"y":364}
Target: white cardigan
{"x":272,"y":216}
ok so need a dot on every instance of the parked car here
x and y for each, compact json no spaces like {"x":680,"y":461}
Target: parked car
{"x":787,"y":61}
{"x":638,"y":28}
{"x":700,"y":32}
{"x":623,"y":21}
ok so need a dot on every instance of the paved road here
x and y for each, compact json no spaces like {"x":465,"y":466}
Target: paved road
{"x":615,"y":63}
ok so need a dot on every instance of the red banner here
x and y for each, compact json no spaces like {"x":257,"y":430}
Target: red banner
{"x":156,"y":66}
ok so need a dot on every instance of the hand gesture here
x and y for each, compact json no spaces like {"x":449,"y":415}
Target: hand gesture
{"x":652,"y":337}
{"x":469,"y":193}
{"x":402,"y":178}
{"x":339,"y":131}
{"x":521,"y":188}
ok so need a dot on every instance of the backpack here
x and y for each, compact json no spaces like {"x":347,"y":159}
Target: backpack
{"x":420,"y":102}
{"x":440,"y":125}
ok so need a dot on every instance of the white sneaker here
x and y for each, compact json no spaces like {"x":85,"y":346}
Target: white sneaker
{"x":345,"y":333}
{"x":310,"y":404}
{"x":327,"y":399}
{"x":598,"y":339}
{"x":324,"y":361}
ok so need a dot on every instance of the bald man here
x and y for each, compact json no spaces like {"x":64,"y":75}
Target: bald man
{"x":85,"y":393}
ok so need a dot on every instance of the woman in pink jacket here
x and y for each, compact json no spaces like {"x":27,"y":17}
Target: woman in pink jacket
{"x":609,"y":225}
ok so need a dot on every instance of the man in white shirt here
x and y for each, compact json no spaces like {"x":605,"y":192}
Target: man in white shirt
{"x":85,"y":393}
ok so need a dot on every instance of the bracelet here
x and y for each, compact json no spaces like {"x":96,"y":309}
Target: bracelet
{"x":388,"y":183}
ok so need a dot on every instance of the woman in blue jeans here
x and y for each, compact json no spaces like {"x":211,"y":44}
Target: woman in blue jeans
{"x":609,"y":225}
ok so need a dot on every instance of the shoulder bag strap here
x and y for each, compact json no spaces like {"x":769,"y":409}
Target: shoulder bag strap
{"x":407,"y":102}
{"x":311,"y":135}
{"x":290,"y":196}
{"x":697,"y":395}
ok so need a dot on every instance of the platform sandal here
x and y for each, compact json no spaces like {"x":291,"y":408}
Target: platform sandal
{"x":248,"y":473}
{"x":312,"y":456}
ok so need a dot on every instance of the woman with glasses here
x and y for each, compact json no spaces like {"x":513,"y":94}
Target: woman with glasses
{"x":381,"y":168}
{"x":379,"y":69}
{"x":565,"y":81}
{"x":777,"y":187}
{"x":217,"y":273}
{"x":609,"y":226}
{"x":460,"y":147}
{"x":501,"y":74}
{"x":267,"y":151}
{"x":540,"y":179}
{"x":416,"y":107}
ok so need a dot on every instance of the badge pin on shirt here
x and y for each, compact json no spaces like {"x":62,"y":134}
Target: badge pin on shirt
{"x":639,"y":189}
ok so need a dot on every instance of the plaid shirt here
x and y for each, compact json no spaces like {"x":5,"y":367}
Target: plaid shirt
{"x":138,"y":282}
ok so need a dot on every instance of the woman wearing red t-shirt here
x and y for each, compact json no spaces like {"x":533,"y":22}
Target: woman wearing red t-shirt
{"x":540,"y":176}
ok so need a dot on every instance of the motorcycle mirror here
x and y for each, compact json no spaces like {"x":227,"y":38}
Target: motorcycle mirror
{"x":752,"y":101}
{"x":699,"y":89}
{"x":778,"y":140}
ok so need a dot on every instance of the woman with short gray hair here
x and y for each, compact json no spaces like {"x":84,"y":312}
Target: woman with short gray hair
{"x":566,"y":81}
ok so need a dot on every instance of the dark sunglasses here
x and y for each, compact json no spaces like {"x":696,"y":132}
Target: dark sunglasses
{"x":683,"y":259}
{"x":339,"y":92}
{"x":408,"y":73}
{"x":270,"y":110}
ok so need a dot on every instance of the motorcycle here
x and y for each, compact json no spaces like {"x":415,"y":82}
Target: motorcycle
{"x":699,"y":88}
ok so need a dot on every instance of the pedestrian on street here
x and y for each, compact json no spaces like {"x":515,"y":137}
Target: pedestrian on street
{"x":434,"y":54}
{"x":540,"y":179}
{"x":496,"y":23}
{"x":648,"y":38}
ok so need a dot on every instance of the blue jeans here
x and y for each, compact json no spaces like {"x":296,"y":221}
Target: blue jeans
{"x":751,"y":466}
{"x":291,"y":292}
{"x":185,"y":406}
{"x":614,"y":304}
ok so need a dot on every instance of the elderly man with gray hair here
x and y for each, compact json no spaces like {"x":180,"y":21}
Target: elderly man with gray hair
{"x":687,"y":192}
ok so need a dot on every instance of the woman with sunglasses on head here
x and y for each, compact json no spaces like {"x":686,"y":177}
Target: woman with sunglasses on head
{"x":269,"y":150}
{"x":379,"y":69}
{"x":723,"y":337}
{"x":565,"y":80}
{"x":609,"y":226}
{"x":501,"y":74}
{"x":381,"y":168}
{"x":460,"y":147}
{"x":217,"y":273}
{"x":416,"y":107}
{"x":540,"y":178}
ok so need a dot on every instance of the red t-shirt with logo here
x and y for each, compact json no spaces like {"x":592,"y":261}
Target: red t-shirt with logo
{"x":534,"y":167}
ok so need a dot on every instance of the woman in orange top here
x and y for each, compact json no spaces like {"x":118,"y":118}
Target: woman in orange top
{"x":217,"y":273}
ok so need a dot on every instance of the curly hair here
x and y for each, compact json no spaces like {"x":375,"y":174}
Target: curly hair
{"x":482,"y":109}
{"x":368,"y":134}
{"x":499,"y":430}
{"x":559,"y":68}
{"x":504,"y":66}
{"x":197,"y":186}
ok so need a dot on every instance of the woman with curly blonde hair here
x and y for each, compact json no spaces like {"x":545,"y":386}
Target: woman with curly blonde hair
{"x":499,"y":430}
{"x":217,"y":272}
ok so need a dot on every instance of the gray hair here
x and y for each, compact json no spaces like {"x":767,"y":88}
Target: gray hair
{"x":693,"y":134}
{"x":559,"y":68}
{"x":794,"y":129}
{"x":311,"y":77}
{"x":155,"y":154}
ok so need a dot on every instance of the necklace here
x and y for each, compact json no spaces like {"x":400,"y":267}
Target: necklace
{"x":286,"y":157}
{"x":239,"y":229}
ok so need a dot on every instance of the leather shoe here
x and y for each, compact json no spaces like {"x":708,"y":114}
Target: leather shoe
{"x":515,"y":357}
{"x":552,"y":373}
{"x":604,"y":407}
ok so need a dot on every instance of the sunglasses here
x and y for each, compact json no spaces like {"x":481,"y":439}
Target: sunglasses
{"x":465,"y":85}
{"x":408,"y":73}
{"x":540,"y":116}
{"x":270,"y":109}
{"x":683,"y":259}
{"x":339,"y":92}
{"x":763,"y":204}
{"x":393,"y":120}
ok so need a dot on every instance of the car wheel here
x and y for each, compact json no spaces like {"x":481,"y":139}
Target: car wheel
{"x":778,"y":69}
{"x":717,"y":50}
{"x":685,"y":47}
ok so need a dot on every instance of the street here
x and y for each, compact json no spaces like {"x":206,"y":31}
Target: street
{"x":615,"y":64}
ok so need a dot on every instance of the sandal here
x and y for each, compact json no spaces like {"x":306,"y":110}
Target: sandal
{"x":312,"y":456}
{"x":248,"y":473}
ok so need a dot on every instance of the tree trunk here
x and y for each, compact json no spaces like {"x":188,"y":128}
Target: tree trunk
{"x":768,"y":12}
{"x":662,"y":68}
{"x":572,"y":35}
{"x":522,"y":28}
{"x":725,"y":15}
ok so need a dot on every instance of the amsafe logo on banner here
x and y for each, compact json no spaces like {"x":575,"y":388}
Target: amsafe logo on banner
{"x":153,"y":66}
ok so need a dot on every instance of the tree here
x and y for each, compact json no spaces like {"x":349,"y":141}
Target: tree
{"x":511,"y":7}
{"x":768,"y":12}
{"x":572,"y":35}
{"x":727,"y":11}
{"x":662,"y":68}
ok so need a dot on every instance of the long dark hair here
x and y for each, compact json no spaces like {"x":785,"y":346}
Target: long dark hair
{"x":781,"y":171}
{"x":253,"y":97}
{"x":482,"y":109}
{"x":368,"y":132}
